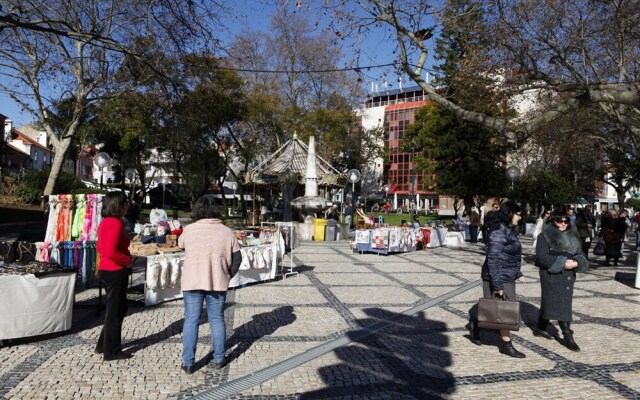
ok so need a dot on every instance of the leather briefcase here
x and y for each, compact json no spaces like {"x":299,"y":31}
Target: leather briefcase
{"x":499,"y":313}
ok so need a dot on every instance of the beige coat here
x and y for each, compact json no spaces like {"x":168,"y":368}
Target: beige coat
{"x":208,"y":248}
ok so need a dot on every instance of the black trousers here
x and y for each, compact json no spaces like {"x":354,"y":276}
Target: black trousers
{"x":473,"y":234}
{"x":585,"y":246}
{"x":115,"y":283}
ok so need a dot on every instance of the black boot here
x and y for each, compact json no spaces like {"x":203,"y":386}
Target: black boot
{"x":541,"y":329}
{"x":474,"y":332}
{"x":565,"y":327}
{"x":508,"y":349}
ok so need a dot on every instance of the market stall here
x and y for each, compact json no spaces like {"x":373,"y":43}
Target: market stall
{"x":162,"y":272}
{"x":387,"y":240}
{"x":35,"y":302}
{"x":438,"y":237}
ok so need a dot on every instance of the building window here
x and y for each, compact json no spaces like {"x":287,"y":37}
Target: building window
{"x":35,"y":156}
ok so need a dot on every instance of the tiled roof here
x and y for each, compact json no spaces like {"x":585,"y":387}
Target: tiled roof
{"x":25,"y":138}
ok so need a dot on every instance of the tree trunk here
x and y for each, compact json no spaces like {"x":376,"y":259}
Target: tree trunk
{"x":56,"y":166}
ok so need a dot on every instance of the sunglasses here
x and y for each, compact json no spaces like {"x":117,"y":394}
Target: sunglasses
{"x":563,"y":220}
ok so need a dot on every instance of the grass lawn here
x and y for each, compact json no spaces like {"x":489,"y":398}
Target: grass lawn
{"x":396,"y":219}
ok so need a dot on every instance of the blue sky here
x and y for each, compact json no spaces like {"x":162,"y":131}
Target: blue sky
{"x":255,"y":14}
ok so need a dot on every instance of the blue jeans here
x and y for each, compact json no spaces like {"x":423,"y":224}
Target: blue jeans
{"x":193,"y":300}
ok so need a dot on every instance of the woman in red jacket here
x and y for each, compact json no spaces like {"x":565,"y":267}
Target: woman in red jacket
{"x":115,"y":268}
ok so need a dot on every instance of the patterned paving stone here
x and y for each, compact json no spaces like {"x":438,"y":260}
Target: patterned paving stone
{"x":339,"y":332}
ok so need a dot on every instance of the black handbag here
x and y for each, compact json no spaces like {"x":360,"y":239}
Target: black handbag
{"x":7,"y":252}
{"x":599,"y":249}
{"x":25,"y":252}
{"x":499,"y":313}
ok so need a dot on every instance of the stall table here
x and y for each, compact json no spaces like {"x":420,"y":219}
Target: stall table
{"x":31,"y":306}
{"x":259,"y":263}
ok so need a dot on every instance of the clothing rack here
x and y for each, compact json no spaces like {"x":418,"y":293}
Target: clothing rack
{"x":278,"y":225}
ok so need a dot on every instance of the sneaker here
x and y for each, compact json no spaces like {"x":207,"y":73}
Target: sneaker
{"x":188,"y":369}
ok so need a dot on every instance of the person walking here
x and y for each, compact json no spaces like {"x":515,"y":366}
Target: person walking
{"x":114,"y":269}
{"x":474,"y":225}
{"x":489,"y":219}
{"x":212,"y":258}
{"x":501,"y":268}
{"x":613,"y":230}
{"x":559,"y":257}
{"x":585,"y":223}
{"x":542,"y":219}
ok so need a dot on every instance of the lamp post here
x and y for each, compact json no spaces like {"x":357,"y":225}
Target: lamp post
{"x":233,"y":186}
{"x":413,"y":173}
{"x":513,"y":172}
{"x":387,"y":188}
{"x":164,"y":185}
{"x":102,"y":160}
{"x":130,"y":173}
{"x":354,"y":176}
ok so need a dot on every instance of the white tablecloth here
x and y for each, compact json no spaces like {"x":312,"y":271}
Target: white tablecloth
{"x":438,"y":237}
{"x":31,"y":306}
{"x":158,"y":290}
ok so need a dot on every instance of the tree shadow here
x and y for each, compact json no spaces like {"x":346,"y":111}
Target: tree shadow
{"x":404,"y":359}
{"x":261,"y":325}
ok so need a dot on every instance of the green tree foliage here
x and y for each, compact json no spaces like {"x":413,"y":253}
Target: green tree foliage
{"x":464,"y":159}
{"x":31,"y":187}
{"x":461,"y":159}
{"x":546,"y":188}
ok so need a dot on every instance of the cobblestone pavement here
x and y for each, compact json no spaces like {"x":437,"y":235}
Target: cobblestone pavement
{"x":351,"y":326}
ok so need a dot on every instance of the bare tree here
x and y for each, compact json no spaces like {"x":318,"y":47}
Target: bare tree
{"x":56,"y":49}
{"x":577,"y":52}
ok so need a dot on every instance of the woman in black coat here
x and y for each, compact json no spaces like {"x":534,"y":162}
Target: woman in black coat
{"x":613,"y":230}
{"x":559,"y":256}
{"x":501,"y":268}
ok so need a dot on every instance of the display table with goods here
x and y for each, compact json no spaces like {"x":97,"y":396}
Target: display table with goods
{"x":35,"y":299}
{"x":438,"y":237}
{"x":387,"y":240}
{"x":163,"y":271}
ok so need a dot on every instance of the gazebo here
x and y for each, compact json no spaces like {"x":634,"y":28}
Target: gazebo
{"x":287,"y":167}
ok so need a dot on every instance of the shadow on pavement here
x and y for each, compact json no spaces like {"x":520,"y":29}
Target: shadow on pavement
{"x":406,"y":359}
{"x":261,"y":325}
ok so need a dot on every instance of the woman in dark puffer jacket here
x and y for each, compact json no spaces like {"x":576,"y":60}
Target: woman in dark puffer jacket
{"x":501,"y":268}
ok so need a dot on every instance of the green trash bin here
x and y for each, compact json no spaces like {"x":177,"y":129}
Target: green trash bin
{"x":319,"y":225}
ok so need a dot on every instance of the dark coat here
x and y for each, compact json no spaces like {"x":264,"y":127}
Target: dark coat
{"x":583,"y":219}
{"x":613,"y":248}
{"x":504,"y":256}
{"x":553,"y":249}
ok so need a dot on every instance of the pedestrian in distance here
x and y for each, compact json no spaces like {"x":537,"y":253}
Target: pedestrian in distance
{"x":542,"y":219}
{"x":114,"y":270}
{"x":559,"y":257}
{"x":585,"y":222}
{"x":489,"y":219}
{"x":212,"y":258}
{"x":613,"y":230}
{"x":501,"y":268}
{"x":474,"y":225}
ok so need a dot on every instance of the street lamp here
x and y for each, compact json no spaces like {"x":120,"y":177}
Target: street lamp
{"x":354,"y":176}
{"x":164,"y":185}
{"x":387,"y":188}
{"x":413,"y":172}
{"x":130,"y":173}
{"x":233,"y":186}
{"x":102,"y":160}
{"x":513,"y":172}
